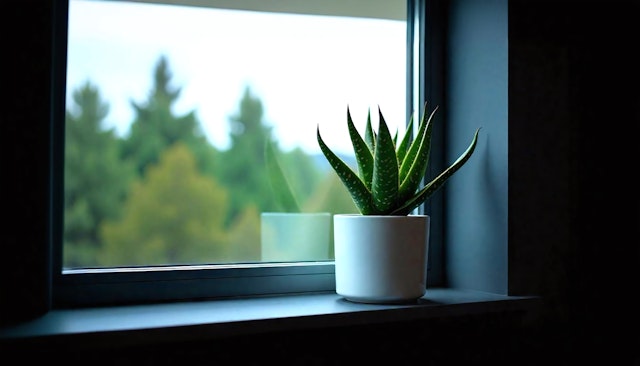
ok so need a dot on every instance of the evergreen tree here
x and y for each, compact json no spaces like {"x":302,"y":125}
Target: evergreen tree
{"x":95,"y":179}
{"x":156,"y":127}
{"x":174,"y":215}
{"x":243,"y":170}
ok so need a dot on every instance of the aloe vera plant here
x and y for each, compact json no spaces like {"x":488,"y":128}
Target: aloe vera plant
{"x":280,"y":186}
{"x":389,"y":176}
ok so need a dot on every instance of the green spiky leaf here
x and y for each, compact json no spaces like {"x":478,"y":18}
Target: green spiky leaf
{"x":428,"y":190}
{"x":279,"y":184}
{"x":401,"y":149}
{"x":359,"y":192}
{"x":414,"y":165}
{"x":385,"y":170}
{"x":364,"y":157}
{"x":369,"y":134}
{"x":397,"y":171}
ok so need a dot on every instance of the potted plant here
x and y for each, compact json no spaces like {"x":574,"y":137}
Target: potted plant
{"x":290,"y":234}
{"x":381,"y":253}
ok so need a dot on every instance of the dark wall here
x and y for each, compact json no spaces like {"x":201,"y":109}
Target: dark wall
{"x":477,"y":96}
{"x":24,"y":272}
{"x":573,"y":201}
{"x":573,"y":115}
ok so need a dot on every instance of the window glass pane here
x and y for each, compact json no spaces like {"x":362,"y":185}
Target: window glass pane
{"x":170,"y":107}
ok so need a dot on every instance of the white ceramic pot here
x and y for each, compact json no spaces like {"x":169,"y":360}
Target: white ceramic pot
{"x":295,"y":237}
{"x":381,"y":259}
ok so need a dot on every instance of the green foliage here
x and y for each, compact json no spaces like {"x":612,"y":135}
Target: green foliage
{"x":304,"y":175}
{"x":156,"y":127}
{"x":96,"y":180}
{"x":280,"y":186}
{"x":389,"y":175}
{"x":244,"y":237}
{"x":242,"y":168}
{"x":173,"y":216}
{"x":163,"y":194}
{"x":330,"y":196}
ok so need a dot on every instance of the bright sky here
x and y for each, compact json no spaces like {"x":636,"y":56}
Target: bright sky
{"x":305,"y":69}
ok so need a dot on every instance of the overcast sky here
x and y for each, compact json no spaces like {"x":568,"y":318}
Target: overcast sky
{"x":305,"y":69}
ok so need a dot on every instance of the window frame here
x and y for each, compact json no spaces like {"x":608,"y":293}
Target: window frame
{"x":79,"y":288}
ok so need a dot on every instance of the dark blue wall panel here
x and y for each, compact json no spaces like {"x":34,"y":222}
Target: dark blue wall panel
{"x":477,"y":96}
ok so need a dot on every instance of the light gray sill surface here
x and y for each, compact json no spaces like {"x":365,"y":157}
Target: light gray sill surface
{"x":185,"y":321}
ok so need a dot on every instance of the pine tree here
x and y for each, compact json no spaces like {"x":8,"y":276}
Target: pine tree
{"x":243,"y":170}
{"x":95,"y":179}
{"x":156,"y":127}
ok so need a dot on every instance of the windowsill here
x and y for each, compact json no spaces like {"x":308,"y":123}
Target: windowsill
{"x":193,"y":321}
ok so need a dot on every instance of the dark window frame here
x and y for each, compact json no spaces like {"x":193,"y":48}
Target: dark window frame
{"x":80,"y":288}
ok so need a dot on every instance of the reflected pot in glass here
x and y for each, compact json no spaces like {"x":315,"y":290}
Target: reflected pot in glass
{"x":296,"y":237}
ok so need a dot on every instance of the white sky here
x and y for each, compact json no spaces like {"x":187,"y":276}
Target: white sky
{"x":305,"y":69}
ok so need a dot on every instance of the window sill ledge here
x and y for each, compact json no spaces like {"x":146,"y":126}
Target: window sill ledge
{"x":193,"y":321}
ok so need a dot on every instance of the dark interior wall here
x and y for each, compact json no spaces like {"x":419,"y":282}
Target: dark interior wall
{"x":573,"y":114}
{"x":24,"y":273}
{"x":542,"y":148}
{"x":573,"y":200}
{"x":545,"y":130}
{"x":476,"y":95}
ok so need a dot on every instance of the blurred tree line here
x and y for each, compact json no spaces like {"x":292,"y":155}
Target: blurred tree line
{"x":163,"y":194}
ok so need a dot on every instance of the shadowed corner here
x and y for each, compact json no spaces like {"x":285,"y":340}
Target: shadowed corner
{"x":423,"y":301}
{"x":419,"y":301}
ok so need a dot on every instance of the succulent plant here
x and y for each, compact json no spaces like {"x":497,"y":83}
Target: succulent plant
{"x":389,"y":177}
{"x":280,"y":186}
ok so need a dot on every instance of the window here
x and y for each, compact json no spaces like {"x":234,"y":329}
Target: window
{"x":168,"y":107}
